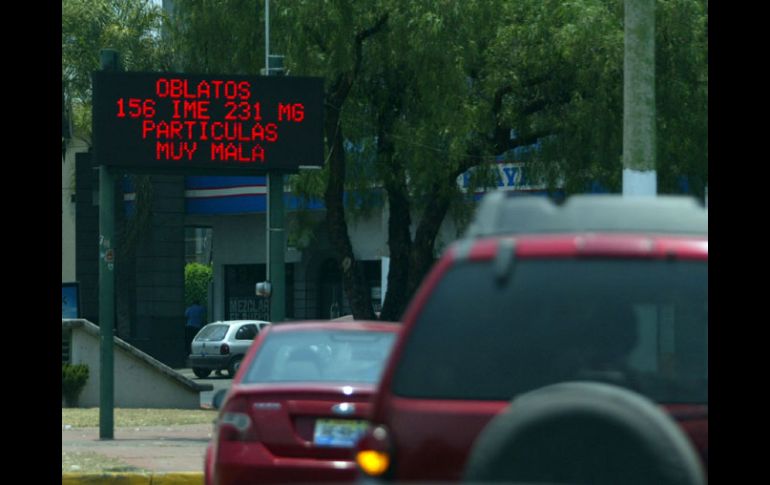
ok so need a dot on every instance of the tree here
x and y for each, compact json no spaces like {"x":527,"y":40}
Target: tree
{"x":319,"y":38}
{"x":682,"y":93}
{"x":564,"y":62}
{"x":413,"y":123}
{"x":426,"y":90}
{"x":431,"y":125}
{"x":133,"y":27}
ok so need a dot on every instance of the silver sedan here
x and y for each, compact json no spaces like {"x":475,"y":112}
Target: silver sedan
{"x":221,"y":346}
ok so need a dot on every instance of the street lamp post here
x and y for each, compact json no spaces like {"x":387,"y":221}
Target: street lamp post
{"x":276,"y":240}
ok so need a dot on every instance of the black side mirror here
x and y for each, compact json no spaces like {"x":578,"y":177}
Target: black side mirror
{"x":219,"y":398}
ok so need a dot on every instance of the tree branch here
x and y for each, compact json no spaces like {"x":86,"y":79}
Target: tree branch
{"x":497,"y":104}
{"x":363,"y":35}
{"x":316,"y":36}
{"x":344,"y":82}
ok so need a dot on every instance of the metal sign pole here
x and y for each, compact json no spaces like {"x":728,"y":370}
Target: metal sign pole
{"x":109,"y":61}
{"x":275,"y":246}
{"x":276,"y":266}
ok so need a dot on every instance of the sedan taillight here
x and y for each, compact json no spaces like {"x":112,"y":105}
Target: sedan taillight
{"x":234,"y":423}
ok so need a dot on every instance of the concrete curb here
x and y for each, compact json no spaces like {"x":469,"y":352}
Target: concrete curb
{"x":180,"y":478}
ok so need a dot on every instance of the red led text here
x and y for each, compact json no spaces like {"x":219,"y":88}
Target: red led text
{"x":237,"y":152}
{"x":207,"y":121}
{"x":181,"y":88}
{"x":175,"y":151}
{"x":291,"y":112}
{"x":136,"y":108}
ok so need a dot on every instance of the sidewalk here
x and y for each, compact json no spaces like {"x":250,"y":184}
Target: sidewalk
{"x":149,"y":449}
{"x":151,"y":455}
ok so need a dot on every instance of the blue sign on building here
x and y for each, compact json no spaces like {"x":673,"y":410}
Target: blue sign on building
{"x":70,"y":300}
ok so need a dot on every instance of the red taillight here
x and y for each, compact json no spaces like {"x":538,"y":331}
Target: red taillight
{"x":373,"y":452}
{"x":235,"y":423}
{"x":224,"y":349}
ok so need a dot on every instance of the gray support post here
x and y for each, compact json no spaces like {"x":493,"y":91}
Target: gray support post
{"x":276,"y":243}
{"x":106,"y":301}
{"x":107,"y":250}
{"x":639,"y":175}
{"x":276,"y":240}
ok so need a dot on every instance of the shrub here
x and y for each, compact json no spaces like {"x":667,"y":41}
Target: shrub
{"x":73,"y":380}
{"x":196,"y":283}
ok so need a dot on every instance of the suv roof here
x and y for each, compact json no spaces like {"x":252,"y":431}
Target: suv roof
{"x":500,"y":214}
{"x":238,"y":322}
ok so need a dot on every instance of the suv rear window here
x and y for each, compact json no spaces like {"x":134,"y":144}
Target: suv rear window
{"x":212,"y":333}
{"x":640,"y":324}
{"x":321,"y":356}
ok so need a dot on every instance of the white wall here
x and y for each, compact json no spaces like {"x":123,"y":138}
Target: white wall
{"x":237,"y":239}
{"x":140,"y":380}
{"x":369,"y":237}
{"x":68,"y":210}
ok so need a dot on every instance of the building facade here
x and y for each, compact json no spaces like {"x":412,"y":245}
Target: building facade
{"x":219,"y":221}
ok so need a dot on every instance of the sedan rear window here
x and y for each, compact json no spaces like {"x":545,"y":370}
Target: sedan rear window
{"x":212,"y":333}
{"x":321,"y":356}
{"x":640,"y":324}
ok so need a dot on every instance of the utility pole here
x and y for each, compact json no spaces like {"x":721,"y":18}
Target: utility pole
{"x":639,"y":174}
{"x":276,"y":238}
{"x":110,"y":61}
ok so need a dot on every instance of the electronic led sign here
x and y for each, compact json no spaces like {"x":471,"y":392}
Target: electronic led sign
{"x":170,"y":122}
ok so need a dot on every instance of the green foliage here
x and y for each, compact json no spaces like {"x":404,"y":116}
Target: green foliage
{"x":682,"y":93}
{"x":133,"y":27}
{"x":218,"y":36}
{"x":197,"y":277}
{"x":308,"y":186}
{"x":564,"y":61}
{"x":73,"y":380}
{"x":437,"y":86}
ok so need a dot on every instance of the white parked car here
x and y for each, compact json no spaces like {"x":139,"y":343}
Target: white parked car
{"x":222,"y":345}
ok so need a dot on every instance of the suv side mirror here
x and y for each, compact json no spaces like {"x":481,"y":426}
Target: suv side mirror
{"x":219,"y":398}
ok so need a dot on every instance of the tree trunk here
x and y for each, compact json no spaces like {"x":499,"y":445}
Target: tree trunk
{"x":399,"y":235}
{"x":353,"y":280}
{"x":421,"y":257}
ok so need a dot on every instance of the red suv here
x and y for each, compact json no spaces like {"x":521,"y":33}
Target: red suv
{"x":603,"y":289}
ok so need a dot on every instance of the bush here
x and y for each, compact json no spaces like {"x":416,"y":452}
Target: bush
{"x":196,"y":283}
{"x":73,"y":380}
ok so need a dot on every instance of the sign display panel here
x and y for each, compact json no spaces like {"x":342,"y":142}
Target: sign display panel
{"x":170,"y":122}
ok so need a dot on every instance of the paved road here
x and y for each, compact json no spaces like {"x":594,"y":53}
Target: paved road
{"x":219,"y":382}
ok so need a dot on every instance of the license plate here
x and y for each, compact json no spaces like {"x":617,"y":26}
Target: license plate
{"x":338,"y":432}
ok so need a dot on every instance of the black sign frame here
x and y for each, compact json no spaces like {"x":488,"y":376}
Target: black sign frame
{"x":164,"y":122}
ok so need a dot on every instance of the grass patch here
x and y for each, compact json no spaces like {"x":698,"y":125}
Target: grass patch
{"x":89,"y":417}
{"x":90,"y":462}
